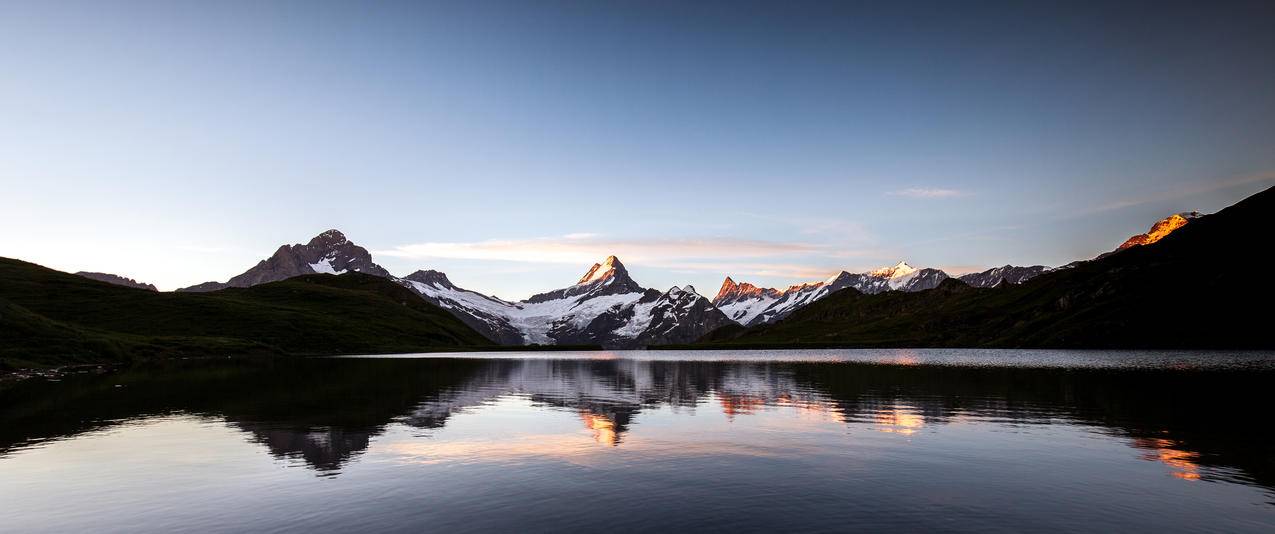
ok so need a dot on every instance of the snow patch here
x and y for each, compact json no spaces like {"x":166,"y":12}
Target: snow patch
{"x":640,"y":321}
{"x":324,"y":266}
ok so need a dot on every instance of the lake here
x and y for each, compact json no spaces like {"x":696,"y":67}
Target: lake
{"x":827,"y":440}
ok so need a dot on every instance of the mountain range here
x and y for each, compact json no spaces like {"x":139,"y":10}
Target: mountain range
{"x":606,"y":306}
{"x":1170,"y":288}
{"x":117,"y":280}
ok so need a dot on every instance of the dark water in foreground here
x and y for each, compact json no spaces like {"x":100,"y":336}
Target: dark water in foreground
{"x":814,"y":441}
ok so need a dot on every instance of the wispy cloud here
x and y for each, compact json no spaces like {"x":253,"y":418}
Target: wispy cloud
{"x":740,"y":257}
{"x":580,"y":248}
{"x":790,"y":271}
{"x":927,"y":192}
{"x":1185,"y":191}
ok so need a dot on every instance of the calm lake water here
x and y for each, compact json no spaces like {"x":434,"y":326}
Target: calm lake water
{"x":625,"y":441}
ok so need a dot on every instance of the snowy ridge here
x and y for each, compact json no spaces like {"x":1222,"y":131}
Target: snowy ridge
{"x":1010,"y":274}
{"x":762,"y":305}
{"x":606,"y":307}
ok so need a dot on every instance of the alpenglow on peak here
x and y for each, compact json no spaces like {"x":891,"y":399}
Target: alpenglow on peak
{"x":601,"y":271}
{"x":900,"y":269}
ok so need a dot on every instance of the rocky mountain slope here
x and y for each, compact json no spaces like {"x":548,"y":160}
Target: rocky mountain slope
{"x":328,"y":253}
{"x":117,"y":280}
{"x":1009,"y":274}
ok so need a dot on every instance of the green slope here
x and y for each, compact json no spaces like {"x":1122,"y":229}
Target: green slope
{"x":48,"y":316}
{"x":1207,"y":285}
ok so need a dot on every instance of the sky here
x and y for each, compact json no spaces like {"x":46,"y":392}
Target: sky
{"x":513,"y":144}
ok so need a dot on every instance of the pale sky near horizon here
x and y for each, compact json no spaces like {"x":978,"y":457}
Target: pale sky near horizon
{"x":513,"y":144}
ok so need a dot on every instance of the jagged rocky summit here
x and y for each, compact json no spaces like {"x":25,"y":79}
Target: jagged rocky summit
{"x":328,"y":253}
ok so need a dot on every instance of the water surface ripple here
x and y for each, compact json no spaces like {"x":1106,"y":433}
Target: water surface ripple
{"x":628,"y":441}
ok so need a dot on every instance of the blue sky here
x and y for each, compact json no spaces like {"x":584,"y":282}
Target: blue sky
{"x":513,"y":144}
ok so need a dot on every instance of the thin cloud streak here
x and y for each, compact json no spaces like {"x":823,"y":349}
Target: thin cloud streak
{"x":924,"y":192}
{"x":1174,"y":194}
{"x":574,"y":248}
{"x":736,"y":257}
{"x":789,"y":271}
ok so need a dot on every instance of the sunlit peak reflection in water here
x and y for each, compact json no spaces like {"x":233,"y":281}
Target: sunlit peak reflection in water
{"x":802,"y":442}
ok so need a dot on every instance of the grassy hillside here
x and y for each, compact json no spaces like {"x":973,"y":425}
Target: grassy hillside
{"x":51,"y":317}
{"x":1204,"y":286}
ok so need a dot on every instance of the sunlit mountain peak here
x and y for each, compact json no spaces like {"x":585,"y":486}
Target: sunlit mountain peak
{"x":602,"y":271}
{"x":899,"y":269}
{"x":1161,"y":229}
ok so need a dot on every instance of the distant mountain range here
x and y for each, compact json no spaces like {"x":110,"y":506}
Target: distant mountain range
{"x":1163,"y":289}
{"x":117,"y":280}
{"x":606,"y":306}
{"x":749,"y":305}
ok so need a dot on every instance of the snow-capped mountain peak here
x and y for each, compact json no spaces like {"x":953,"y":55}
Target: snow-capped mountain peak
{"x":606,"y":308}
{"x":327,"y":253}
{"x":899,"y":270}
{"x":678,"y":292}
{"x":606,"y":278}
{"x":609,"y":268}
{"x":432,"y":278}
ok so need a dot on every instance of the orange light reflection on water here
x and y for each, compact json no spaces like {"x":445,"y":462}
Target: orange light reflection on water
{"x":899,"y":421}
{"x":603,"y":428}
{"x":1165,"y":451}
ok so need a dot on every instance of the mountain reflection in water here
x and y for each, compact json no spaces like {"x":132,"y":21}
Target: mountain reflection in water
{"x":1199,"y":425}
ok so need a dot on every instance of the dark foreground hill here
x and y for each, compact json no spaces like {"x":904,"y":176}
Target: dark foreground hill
{"x":51,"y":317}
{"x":1203,"y":286}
